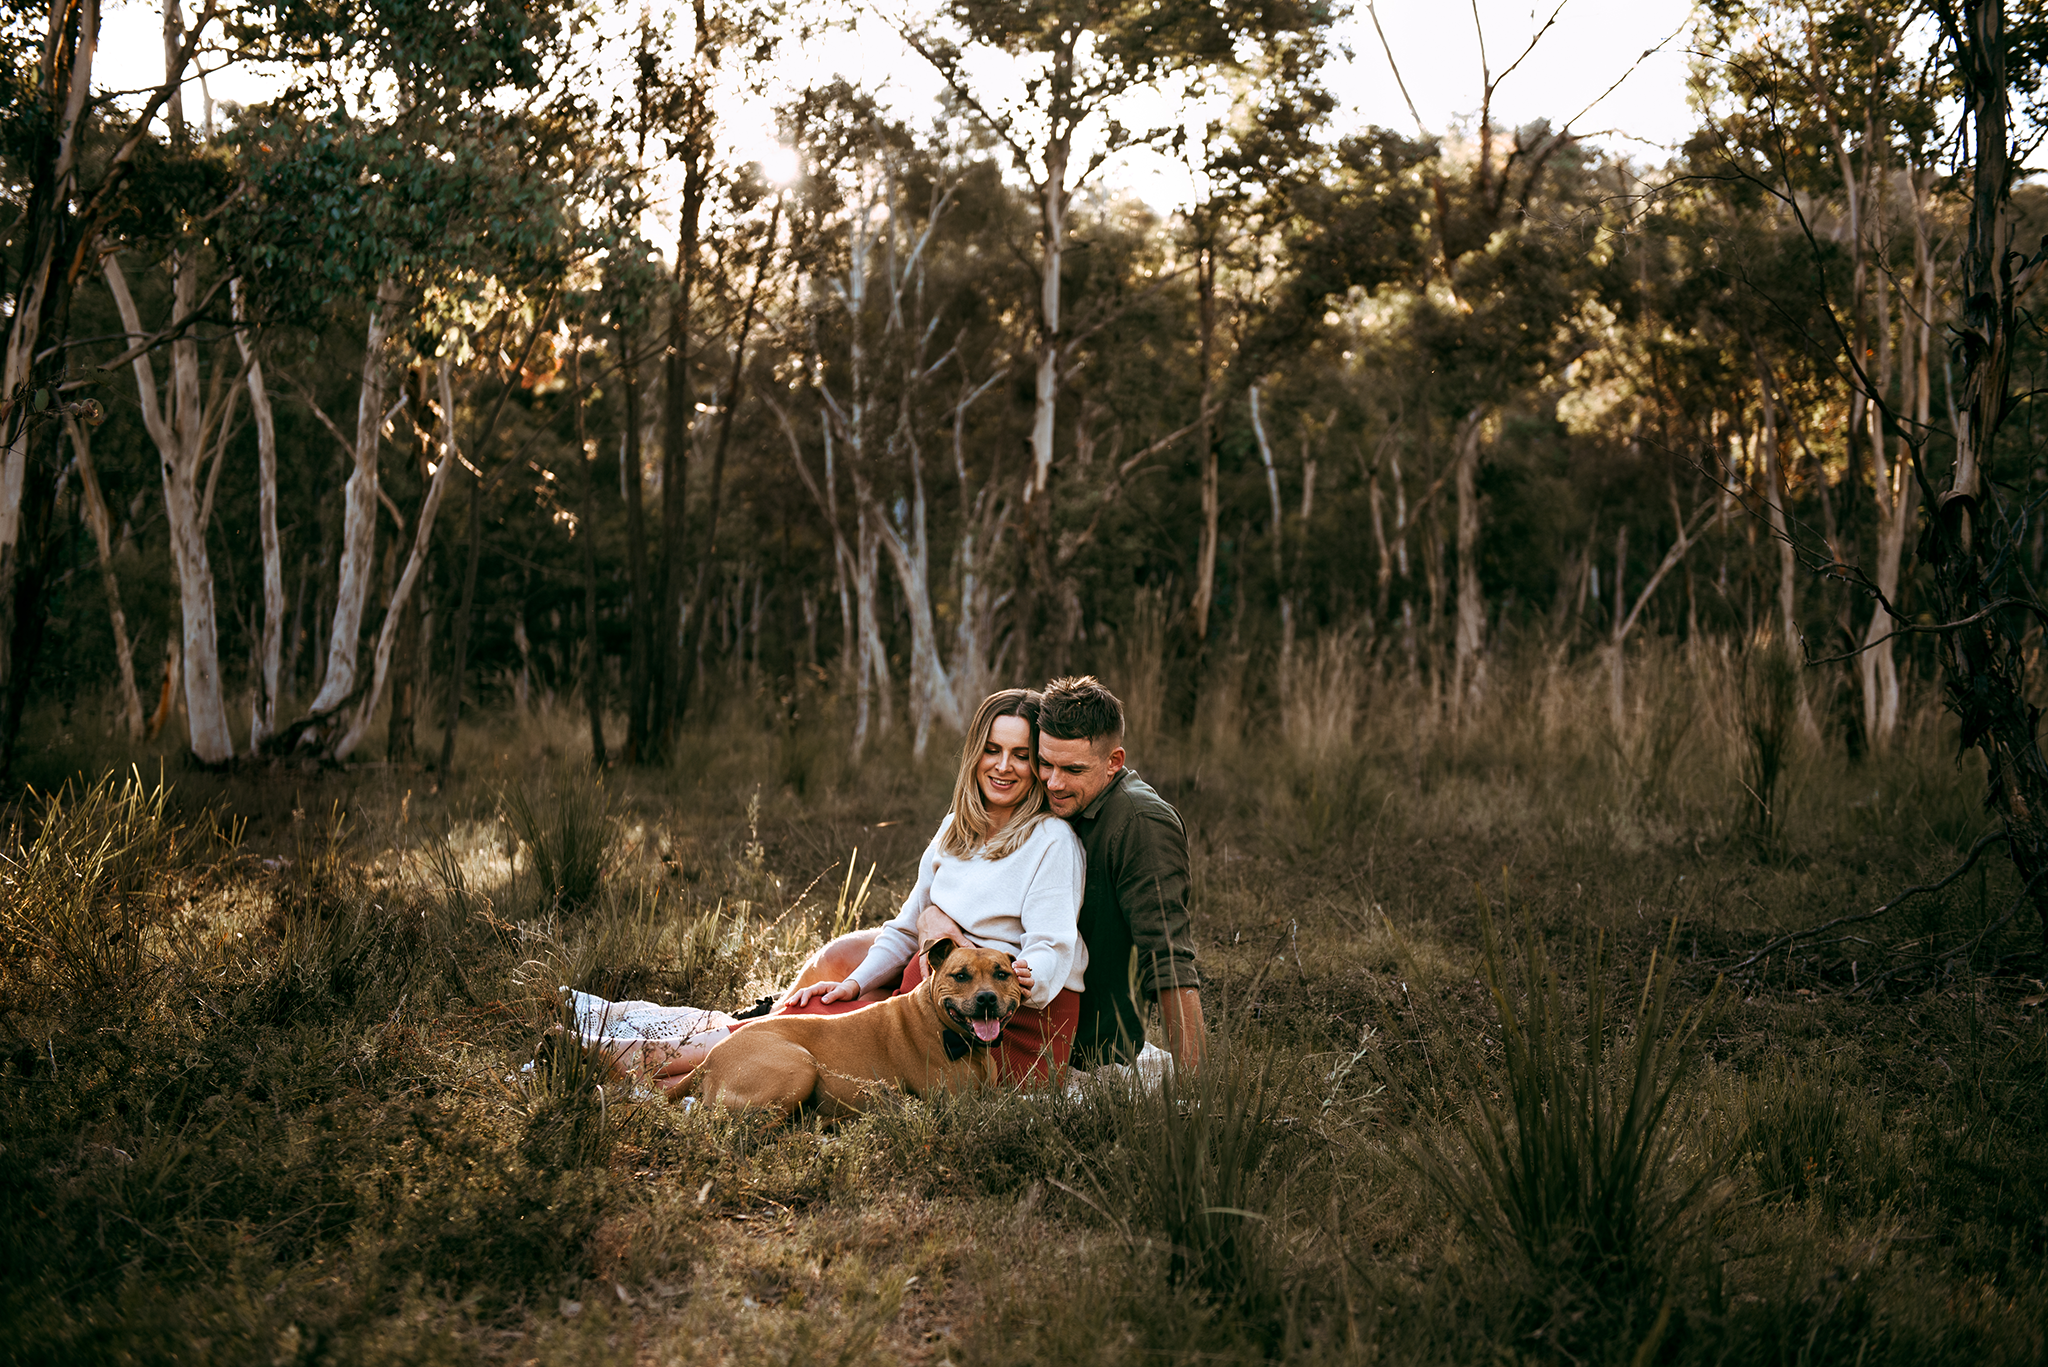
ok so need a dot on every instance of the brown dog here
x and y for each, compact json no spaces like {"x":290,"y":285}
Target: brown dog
{"x":935,"y":1038}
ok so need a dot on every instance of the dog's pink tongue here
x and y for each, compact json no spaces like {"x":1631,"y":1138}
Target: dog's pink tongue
{"x":987,"y":1031}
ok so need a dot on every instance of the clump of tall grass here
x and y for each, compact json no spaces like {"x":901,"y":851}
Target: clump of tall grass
{"x":81,"y":904}
{"x":1575,"y":1175}
{"x":567,"y":827}
{"x":1204,"y":1162}
{"x":1320,"y":696}
{"x":1769,"y":701}
{"x":572,"y":1122}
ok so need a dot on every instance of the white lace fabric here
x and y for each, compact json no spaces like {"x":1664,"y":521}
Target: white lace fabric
{"x":640,"y":1035}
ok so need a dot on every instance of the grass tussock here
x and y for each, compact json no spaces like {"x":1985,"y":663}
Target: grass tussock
{"x":1580,"y":1180}
{"x":292,"y":1091}
{"x":566,"y":825}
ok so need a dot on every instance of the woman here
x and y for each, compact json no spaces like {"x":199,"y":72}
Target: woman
{"x":1010,"y":875}
{"x":1001,"y":866}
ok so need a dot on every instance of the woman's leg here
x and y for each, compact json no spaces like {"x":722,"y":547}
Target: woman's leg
{"x":836,"y":960}
{"x":680,"y":1065}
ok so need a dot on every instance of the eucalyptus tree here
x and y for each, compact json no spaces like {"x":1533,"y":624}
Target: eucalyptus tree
{"x":1834,"y":108}
{"x":896,"y":338}
{"x":681,"y":81}
{"x":1986,"y":610}
{"x":69,"y":148}
{"x":1268,"y":147}
{"x":416,"y":208}
{"x":1081,"y":61}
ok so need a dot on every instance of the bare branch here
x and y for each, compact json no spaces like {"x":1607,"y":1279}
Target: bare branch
{"x":1787,"y":941}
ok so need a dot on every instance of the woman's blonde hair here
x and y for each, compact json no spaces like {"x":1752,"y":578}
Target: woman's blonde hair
{"x":969,"y":836}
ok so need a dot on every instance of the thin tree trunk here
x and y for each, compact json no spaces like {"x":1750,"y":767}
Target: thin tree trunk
{"x":593,"y":655}
{"x":1897,"y":487}
{"x":101,"y":524}
{"x":1052,"y":209}
{"x":716,"y":499}
{"x":1774,"y":511}
{"x":1468,"y":670}
{"x":401,"y":593}
{"x":269,"y":653}
{"x":1205,"y":448}
{"x":679,"y":411}
{"x":359,"y":513}
{"x":460,"y":662}
{"x":641,"y":611}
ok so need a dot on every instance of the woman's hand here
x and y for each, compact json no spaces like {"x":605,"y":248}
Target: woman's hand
{"x":1023,"y":972}
{"x":844,"y":991}
{"x":934,"y":925}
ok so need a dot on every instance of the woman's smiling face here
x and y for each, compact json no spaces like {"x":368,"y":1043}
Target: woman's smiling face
{"x":1005,"y":772}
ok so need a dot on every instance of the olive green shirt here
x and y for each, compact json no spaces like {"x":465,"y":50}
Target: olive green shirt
{"x":1134,"y":914}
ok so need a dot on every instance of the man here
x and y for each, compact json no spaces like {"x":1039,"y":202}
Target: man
{"x":1134,"y":912}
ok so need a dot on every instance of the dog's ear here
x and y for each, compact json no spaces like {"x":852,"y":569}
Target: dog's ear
{"x":936,"y":956}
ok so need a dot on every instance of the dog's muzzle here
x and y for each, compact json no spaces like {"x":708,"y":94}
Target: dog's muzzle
{"x":985,"y":1021}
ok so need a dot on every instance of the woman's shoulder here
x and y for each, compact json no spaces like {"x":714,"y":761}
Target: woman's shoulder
{"x":1055,"y":836}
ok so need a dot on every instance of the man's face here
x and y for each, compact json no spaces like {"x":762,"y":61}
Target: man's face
{"x":1074,"y":772}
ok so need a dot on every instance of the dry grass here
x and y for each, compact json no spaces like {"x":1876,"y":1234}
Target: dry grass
{"x":271,"y":1102}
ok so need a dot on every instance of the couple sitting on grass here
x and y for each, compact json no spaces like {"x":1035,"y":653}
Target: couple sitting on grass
{"x":1054,"y":852}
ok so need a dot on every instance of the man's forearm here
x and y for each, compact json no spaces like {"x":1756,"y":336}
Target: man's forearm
{"x":1180,"y":1011}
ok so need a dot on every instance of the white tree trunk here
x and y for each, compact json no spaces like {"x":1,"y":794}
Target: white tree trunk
{"x":872,"y":661}
{"x":270,"y":652}
{"x":180,"y":437}
{"x":1897,"y":492}
{"x":359,"y":513}
{"x":1052,"y":206}
{"x":401,"y":593}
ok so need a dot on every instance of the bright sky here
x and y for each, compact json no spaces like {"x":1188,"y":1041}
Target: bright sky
{"x":1593,"y":44}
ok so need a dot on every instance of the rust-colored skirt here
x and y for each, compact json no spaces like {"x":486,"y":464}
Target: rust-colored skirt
{"x":1034,"y":1045}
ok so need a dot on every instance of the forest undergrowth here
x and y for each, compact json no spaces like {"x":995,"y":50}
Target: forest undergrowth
{"x":1514,"y":1060}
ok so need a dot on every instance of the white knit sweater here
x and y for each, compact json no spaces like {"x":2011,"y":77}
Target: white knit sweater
{"x":1028,"y":903}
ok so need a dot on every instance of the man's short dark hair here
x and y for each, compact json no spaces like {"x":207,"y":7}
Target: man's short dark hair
{"x":1081,"y":709}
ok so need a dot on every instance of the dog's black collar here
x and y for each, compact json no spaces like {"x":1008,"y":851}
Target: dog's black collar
{"x":958,"y":1048}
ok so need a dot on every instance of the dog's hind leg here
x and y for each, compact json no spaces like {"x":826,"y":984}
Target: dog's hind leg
{"x":771,"y":1073}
